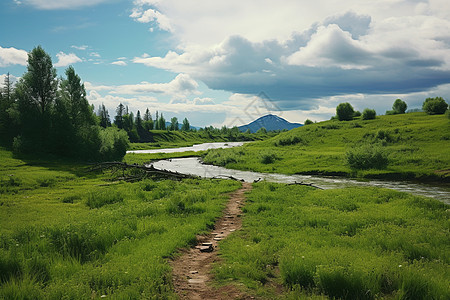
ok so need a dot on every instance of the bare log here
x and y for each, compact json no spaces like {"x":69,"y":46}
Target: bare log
{"x":141,"y":171}
{"x":306,"y":184}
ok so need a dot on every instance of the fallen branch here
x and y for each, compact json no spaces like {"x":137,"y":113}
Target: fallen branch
{"x":139,"y":171}
{"x":306,"y":184}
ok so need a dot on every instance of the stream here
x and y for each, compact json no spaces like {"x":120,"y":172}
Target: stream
{"x":194,"y":166}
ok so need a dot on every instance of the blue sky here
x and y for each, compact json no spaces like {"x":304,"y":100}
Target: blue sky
{"x":229,"y":62}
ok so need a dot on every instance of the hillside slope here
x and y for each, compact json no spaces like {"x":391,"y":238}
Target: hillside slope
{"x":417,"y":146}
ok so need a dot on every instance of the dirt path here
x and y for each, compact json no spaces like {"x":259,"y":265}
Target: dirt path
{"x":192,"y":270}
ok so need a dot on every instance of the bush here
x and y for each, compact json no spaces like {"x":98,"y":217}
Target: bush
{"x":289,"y":141}
{"x":434,"y":106}
{"x":308,"y":122}
{"x":345,"y":112}
{"x":399,"y":106}
{"x":357,"y":114}
{"x":114,"y":144}
{"x":369,"y":114}
{"x":268,"y":158}
{"x":367,"y":157}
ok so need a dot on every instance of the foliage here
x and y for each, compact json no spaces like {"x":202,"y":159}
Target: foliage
{"x":308,"y":122}
{"x":350,"y":243}
{"x":434,"y":106}
{"x":54,"y":246}
{"x":345,"y":112}
{"x":114,"y":144}
{"x":367,"y":156}
{"x":51,"y":116}
{"x":399,"y":106}
{"x":369,"y":114}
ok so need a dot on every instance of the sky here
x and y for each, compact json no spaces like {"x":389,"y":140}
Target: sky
{"x":229,"y":62}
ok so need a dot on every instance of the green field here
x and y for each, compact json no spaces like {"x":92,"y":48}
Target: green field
{"x":68,"y":234}
{"x":355,"y":243}
{"x":415,"y":144}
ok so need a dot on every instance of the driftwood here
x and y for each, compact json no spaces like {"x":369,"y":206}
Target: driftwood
{"x":135,"y":172}
{"x":306,"y":184}
{"x":226,"y":176}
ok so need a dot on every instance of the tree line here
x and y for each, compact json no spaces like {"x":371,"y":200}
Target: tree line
{"x":44,"y":114}
{"x":138,"y":128}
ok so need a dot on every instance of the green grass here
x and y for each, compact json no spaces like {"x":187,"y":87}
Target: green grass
{"x":416,"y":146}
{"x":175,"y":139}
{"x":354,"y":243}
{"x":67,"y":234}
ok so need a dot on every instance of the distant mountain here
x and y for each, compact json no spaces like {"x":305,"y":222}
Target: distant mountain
{"x":270,"y":123}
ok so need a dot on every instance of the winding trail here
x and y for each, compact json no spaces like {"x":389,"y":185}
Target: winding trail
{"x":192,"y":270}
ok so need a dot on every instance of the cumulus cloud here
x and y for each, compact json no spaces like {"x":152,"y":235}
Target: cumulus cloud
{"x":12,"y":56}
{"x":150,"y":15}
{"x":348,"y":53}
{"x":119,"y":63}
{"x":60,"y":4}
{"x":182,"y":85}
{"x":65,"y":60}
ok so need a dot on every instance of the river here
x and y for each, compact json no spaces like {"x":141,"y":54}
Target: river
{"x":193,"y":166}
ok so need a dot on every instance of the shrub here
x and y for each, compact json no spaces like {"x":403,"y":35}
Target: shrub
{"x":367,"y":157}
{"x":369,"y":114}
{"x":114,"y":143}
{"x":434,"y":106}
{"x":308,"y":122}
{"x":289,"y":141}
{"x":357,"y":114}
{"x":268,"y":158}
{"x":345,"y":112}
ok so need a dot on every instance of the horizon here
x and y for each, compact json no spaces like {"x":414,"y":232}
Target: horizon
{"x":229,"y":63}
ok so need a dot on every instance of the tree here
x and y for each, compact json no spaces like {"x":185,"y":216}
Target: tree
{"x":118,"y":119}
{"x":308,"y":122}
{"x":369,"y":114}
{"x":344,"y":111}
{"x":147,"y":115}
{"x":36,"y":94}
{"x":434,"y":106}
{"x":138,"y":121}
{"x":186,"y":126}
{"x":6,"y":103}
{"x":399,"y":106}
{"x":161,"y":123}
{"x":173,"y":124}
{"x":103,"y":115}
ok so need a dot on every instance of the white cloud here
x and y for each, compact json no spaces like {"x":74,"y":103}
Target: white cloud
{"x":182,"y":85}
{"x":60,"y":4}
{"x":151,"y":15}
{"x":370,"y":55}
{"x":12,"y":56}
{"x":65,"y":60}
{"x":119,"y":63}
{"x":94,"y":54}
{"x":82,"y":47}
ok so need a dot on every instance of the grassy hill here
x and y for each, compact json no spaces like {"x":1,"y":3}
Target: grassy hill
{"x":416,"y":146}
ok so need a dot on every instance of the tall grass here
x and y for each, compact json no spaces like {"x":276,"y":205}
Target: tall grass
{"x":87,"y":237}
{"x":355,"y":243}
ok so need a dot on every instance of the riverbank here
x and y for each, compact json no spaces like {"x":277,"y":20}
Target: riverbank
{"x":416,"y":146}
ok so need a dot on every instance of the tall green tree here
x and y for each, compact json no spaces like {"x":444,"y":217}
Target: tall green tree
{"x":138,"y":121}
{"x":36,"y":94}
{"x":118,"y":119}
{"x":161,"y":122}
{"x":7,"y":131}
{"x":186,"y":126}
{"x":435,"y":106}
{"x":173,"y":124}
{"x":103,"y":115}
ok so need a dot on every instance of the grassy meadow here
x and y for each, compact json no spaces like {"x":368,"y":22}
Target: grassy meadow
{"x":298,"y":242}
{"x":415,"y":146}
{"x":68,"y":234}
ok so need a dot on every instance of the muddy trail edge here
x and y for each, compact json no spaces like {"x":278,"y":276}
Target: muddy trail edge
{"x":192,"y":270}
